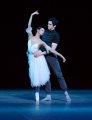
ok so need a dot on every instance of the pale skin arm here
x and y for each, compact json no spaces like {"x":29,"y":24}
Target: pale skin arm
{"x":30,"y":21}
{"x":38,"y":53}
{"x":57,"y":53}
{"x":54,"y":46}
{"x":52,"y":51}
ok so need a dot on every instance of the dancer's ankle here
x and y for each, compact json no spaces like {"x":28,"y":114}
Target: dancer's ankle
{"x":37,"y":96}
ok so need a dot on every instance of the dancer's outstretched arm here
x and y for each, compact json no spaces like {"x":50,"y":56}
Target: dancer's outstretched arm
{"x":57,"y":53}
{"x":29,"y":29}
{"x":51,"y":50}
{"x":30,"y":19}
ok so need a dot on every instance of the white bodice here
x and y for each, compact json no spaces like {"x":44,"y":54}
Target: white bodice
{"x":32,"y":48}
{"x":35,"y":47}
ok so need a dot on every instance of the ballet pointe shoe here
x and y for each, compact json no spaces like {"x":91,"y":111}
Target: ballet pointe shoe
{"x":37,"y":96}
{"x":68,"y":99}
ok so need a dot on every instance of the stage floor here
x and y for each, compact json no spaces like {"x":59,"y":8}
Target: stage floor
{"x":21,"y":105}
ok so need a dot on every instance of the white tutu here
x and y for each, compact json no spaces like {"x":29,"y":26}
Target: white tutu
{"x":38,"y":69}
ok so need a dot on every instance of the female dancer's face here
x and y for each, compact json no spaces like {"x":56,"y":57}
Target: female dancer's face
{"x":41,"y":31}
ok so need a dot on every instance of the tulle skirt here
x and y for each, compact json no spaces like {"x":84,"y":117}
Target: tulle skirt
{"x":39,"y":72}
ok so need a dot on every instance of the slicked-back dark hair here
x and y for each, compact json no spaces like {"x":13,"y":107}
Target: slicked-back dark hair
{"x":54,"y":21}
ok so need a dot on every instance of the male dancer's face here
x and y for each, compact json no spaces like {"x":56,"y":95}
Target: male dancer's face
{"x":50,"y":25}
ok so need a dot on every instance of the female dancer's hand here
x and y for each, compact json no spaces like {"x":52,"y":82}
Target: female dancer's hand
{"x":38,"y":53}
{"x":35,"y":13}
{"x":64,"y":59}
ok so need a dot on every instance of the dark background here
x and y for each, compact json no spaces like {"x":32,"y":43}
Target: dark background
{"x":75,"y":28}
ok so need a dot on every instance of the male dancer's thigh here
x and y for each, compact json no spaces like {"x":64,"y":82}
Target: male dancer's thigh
{"x":54,"y":65}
